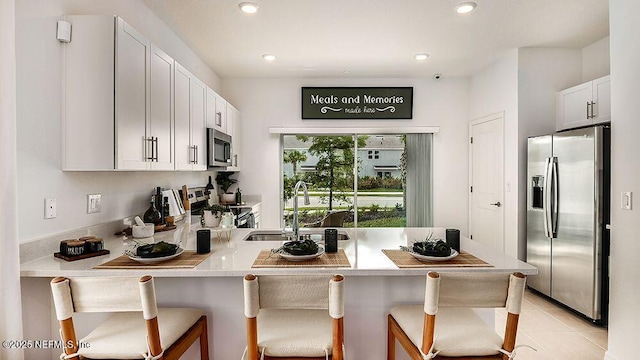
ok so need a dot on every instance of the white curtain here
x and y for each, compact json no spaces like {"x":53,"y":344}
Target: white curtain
{"x":10,"y":304}
{"x":419,"y":190}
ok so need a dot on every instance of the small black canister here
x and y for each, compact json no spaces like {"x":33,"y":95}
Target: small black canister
{"x":203,"y":241}
{"x":331,"y":240}
{"x":453,"y":239}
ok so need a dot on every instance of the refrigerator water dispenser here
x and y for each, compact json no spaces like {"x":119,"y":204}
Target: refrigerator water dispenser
{"x":537,"y":191}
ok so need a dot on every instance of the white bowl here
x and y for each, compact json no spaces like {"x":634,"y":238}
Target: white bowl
{"x":142,"y":231}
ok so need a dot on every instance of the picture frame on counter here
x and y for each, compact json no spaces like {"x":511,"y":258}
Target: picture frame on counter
{"x":334,"y":103}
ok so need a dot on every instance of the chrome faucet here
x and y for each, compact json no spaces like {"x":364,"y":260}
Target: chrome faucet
{"x":295,"y":226}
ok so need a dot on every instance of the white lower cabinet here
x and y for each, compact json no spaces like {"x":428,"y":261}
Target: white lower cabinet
{"x":585,"y":104}
{"x":190,"y":121}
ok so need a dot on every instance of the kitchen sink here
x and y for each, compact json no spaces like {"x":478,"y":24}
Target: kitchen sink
{"x":276,"y":235}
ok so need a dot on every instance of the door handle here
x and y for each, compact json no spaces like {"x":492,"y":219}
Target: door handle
{"x":498,"y":204}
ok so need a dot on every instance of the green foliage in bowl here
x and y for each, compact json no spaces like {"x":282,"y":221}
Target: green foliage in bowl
{"x":432,"y":247}
{"x":159,"y":249}
{"x":302,"y":247}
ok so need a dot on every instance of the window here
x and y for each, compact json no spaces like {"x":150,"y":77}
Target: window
{"x":388,"y":167}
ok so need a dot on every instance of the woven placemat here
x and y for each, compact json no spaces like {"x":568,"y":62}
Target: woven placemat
{"x":188,"y":259}
{"x":403,"y":259}
{"x":267,"y":259}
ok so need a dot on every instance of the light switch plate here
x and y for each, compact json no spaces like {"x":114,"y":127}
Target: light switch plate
{"x":94,"y":203}
{"x":625,"y":201}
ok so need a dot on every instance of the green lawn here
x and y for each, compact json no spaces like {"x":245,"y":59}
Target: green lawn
{"x":386,"y":222}
{"x":361,"y":191}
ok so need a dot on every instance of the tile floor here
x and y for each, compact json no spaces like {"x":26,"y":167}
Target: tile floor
{"x":555,"y":332}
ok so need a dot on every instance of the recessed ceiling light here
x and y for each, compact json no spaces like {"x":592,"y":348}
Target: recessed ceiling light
{"x":421,"y":57}
{"x":269,"y":57}
{"x":248,"y":7}
{"x":465,"y":7}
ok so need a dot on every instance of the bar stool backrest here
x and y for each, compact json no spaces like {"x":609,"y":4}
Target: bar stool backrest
{"x":94,"y":294}
{"x":294,"y":292}
{"x":481,"y":290}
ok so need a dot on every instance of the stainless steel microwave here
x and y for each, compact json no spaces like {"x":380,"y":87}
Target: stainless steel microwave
{"x":218,"y":149}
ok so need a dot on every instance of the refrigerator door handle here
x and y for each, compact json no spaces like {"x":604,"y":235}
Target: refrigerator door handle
{"x":546,"y":206}
{"x":556,"y":197}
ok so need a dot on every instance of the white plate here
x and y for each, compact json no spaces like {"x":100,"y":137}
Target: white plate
{"x":302,"y":257}
{"x":454,"y":253}
{"x":156,"y":259}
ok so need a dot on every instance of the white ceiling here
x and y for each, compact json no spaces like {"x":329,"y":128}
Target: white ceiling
{"x":375,"y":38}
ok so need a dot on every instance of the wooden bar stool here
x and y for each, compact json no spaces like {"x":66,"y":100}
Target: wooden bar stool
{"x":138,"y":329}
{"x":446,"y":327}
{"x":294,"y":317}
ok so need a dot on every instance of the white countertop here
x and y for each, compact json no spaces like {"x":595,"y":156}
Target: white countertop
{"x":235,"y":257}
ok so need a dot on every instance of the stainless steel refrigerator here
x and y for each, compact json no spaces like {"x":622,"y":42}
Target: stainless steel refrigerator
{"x":568,"y":189}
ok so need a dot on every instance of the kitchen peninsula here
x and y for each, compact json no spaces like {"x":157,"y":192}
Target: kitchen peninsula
{"x":374,"y":283}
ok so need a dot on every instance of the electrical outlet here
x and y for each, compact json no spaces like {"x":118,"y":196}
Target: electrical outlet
{"x":50,"y":209}
{"x":94,"y":203}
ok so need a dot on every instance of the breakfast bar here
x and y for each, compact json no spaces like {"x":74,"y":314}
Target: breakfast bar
{"x":374,"y":281}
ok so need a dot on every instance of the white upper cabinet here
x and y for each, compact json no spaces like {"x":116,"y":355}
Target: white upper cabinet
{"x":160,"y":127}
{"x":130,"y":106}
{"x":584,"y":104}
{"x":235,"y":125}
{"x":118,"y":98}
{"x":216,"y":112}
{"x":190,"y":121}
{"x":88,"y":111}
{"x":198,"y":123}
{"x":132,"y":82}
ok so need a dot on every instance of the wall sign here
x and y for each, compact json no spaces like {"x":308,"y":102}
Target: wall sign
{"x":357,"y":102}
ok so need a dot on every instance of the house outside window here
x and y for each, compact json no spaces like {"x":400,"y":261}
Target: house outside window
{"x":374,"y":198}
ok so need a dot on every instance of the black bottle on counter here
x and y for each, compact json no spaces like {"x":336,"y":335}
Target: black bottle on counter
{"x":238,"y":197}
{"x":165,"y":209}
{"x":152,"y":215}
{"x":158,"y":198}
{"x":331,"y":240}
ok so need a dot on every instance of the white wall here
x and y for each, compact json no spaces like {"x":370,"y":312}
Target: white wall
{"x":493,"y":90}
{"x":624,"y":326}
{"x":39,"y":64}
{"x":596,"y":60}
{"x":524,"y":84}
{"x":268,"y":103}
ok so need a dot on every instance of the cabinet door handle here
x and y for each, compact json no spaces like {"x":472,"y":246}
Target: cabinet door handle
{"x":235,"y":159}
{"x":593,"y":108}
{"x":498,"y":204}
{"x":588,"y":115}
{"x":156,"y":145}
{"x":146,"y":148}
{"x":219,"y":116}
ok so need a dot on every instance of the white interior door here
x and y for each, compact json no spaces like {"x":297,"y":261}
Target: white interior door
{"x":486,"y":208}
